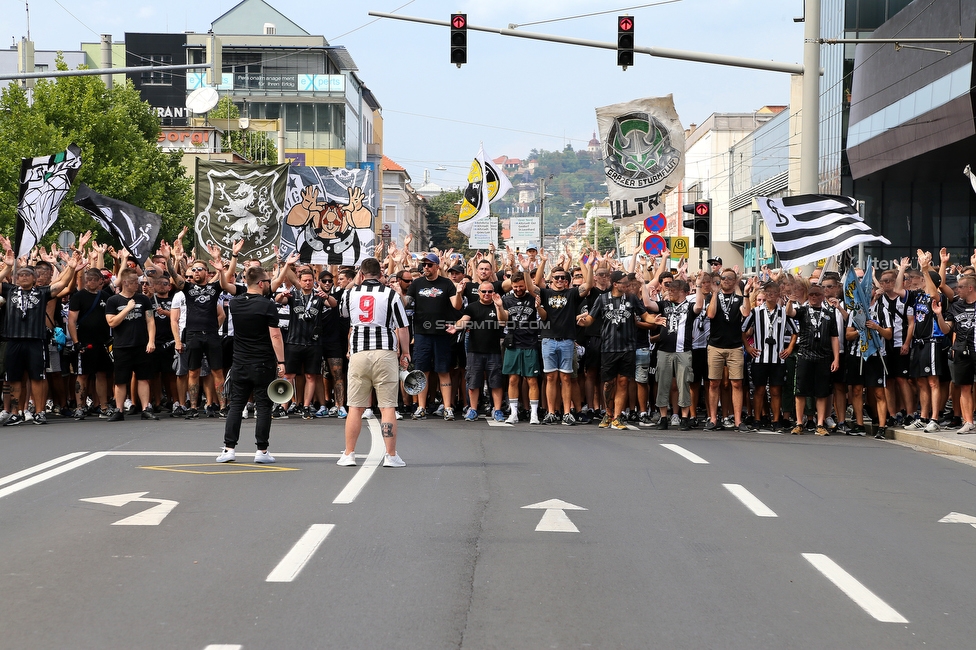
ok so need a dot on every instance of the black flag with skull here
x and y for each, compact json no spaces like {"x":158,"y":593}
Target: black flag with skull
{"x":135,"y":228}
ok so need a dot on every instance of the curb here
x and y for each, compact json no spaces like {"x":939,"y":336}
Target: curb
{"x":936,"y":441}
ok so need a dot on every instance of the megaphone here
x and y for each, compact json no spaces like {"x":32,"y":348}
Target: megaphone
{"x":280,"y":391}
{"x":414,"y":381}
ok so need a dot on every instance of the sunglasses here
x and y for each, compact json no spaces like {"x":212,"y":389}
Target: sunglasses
{"x":486,"y":292}
{"x":728,"y":277}
{"x":326,"y":280}
{"x":407,"y":280}
{"x":426,"y":264}
{"x":557,"y":278}
{"x":578,"y":276}
{"x":198,"y":268}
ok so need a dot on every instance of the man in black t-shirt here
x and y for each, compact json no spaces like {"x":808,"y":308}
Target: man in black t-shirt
{"x":521,"y":358}
{"x":89,"y":330}
{"x":258,"y":351}
{"x":725,"y":313}
{"x":130,"y":315}
{"x":303,"y":354}
{"x":26,"y":334}
{"x":164,"y":356}
{"x":436,"y":301}
{"x":484,"y":352}
{"x":562,"y":304}
{"x":818,"y":355}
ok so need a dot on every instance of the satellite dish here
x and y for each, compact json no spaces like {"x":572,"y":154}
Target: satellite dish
{"x":202,"y":100}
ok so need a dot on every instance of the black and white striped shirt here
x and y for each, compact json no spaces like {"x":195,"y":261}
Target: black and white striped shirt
{"x":771,"y":332}
{"x":375,"y":312}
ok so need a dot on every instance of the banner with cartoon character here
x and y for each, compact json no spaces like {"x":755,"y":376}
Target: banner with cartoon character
{"x":643,"y":147}
{"x":329,"y":215}
{"x":44,"y":182}
{"x":236,"y":202}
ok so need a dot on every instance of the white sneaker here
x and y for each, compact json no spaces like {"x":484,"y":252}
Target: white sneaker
{"x":931,"y":427}
{"x":675,"y":420}
{"x":534,"y":418}
{"x":513,"y":418}
{"x":829,"y":423}
{"x":347,"y":460}
{"x":227,"y":456}
{"x":967,"y":427}
{"x":916,"y":425}
{"x":127,"y":403}
{"x":393,"y":461}
{"x":244,"y":413}
{"x":263,"y":457}
{"x":368,"y":413}
{"x":398,"y":414}
{"x":28,"y":416}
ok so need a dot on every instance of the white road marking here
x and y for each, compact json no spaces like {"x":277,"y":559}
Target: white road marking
{"x":16,"y":476}
{"x":857,"y":592}
{"x":223,"y":646}
{"x":34,"y":480}
{"x":958,"y":518}
{"x":295,"y":560}
{"x":749,"y":500}
{"x":492,"y":423}
{"x":277,"y":454}
{"x":554,"y":520}
{"x":377,"y":450}
{"x":681,"y":451}
{"x":150,"y":517}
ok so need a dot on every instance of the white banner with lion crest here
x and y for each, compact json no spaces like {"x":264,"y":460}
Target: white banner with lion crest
{"x":236,"y":202}
{"x":643,"y":150}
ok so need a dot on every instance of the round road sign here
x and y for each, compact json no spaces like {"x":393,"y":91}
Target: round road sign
{"x":656,"y":223}
{"x":654,"y":245}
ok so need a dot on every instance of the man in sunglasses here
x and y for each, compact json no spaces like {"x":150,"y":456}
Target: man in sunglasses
{"x":484,"y":357}
{"x":436,"y":300}
{"x":561,"y":303}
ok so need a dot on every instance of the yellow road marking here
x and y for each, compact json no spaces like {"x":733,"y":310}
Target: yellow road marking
{"x":226,"y":468}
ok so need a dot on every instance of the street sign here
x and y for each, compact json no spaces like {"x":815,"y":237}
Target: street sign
{"x":656,"y":223}
{"x":679,"y":246}
{"x":654,"y":245}
{"x":483,"y":233}
{"x":66,"y":239}
{"x":524,"y":229}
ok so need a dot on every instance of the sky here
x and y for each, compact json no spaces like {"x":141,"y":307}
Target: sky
{"x":514,"y":94}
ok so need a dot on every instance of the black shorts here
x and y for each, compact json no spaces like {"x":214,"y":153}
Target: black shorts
{"x":837,"y":377}
{"x":699,"y":364}
{"x":928,"y":359}
{"x":616,"y":364}
{"x":200,"y":344}
{"x":870,"y":374}
{"x":592,"y":355}
{"x":813,"y":378}
{"x":481,"y":364}
{"x":92,"y":358}
{"x":303,"y":359}
{"x":162,"y":358}
{"x":25,"y":355}
{"x":132,"y":360}
{"x":334,"y":349}
{"x":773,"y":374}
{"x":898,"y":364}
{"x":963,"y":368}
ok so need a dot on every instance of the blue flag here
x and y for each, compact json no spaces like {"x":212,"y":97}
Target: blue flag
{"x":857,"y":301}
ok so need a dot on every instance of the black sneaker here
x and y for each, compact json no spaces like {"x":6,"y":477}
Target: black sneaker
{"x":881,"y":434}
{"x":223,"y":411}
{"x":685,"y":425}
{"x":116,"y":416}
{"x":80,"y":414}
{"x":710,"y":426}
{"x":149,"y":415}
{"x":662,"y":424}
{"x":192,"y":414}
{"x":213,"y":411}
{"x":308,"y":413}
{"x":14,"y":420}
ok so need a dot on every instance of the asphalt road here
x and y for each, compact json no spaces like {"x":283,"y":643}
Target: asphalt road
{"x":763,"y":542}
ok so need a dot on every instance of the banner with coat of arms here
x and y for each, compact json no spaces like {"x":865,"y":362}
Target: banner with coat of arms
{"x":235,"y":202}
{"x":329,"y":215}
{"x":643,"y":145}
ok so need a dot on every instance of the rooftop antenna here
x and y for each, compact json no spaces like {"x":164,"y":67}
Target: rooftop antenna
{"x":27,"y":7}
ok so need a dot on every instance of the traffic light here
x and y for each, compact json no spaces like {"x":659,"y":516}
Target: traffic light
{"x":625,"y":41}
{"x":703,"y":218}
{"x":459,"y":39}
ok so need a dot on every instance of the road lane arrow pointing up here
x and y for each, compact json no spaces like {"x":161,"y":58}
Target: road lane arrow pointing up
{"x":554,"y":520}
{"x":958,"y":518}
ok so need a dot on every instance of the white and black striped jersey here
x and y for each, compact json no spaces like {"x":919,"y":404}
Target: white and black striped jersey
{"x":677,"y":335}
{"x":898,"y":313}
{"x":375,"y":312}
{"x":877,"y":314}
{"x":772,"y":330}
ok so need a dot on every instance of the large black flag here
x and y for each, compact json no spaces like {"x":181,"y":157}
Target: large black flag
{"x":44,"y":182}
{"x":135,"y":228}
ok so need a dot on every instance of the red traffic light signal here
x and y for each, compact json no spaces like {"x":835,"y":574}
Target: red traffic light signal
{"x":459,"y":39}
{"x":625,"y":41}
{"x":703,"y":217}
{"x":703,"y":208}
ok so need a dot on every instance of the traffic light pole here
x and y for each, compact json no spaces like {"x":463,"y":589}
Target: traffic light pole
{"x":810,"y":72}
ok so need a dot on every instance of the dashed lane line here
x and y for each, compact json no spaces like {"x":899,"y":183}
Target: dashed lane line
{"x":681,"y":451}
{"x":299,"y":555}
{"x":857,"y":592}
{"x":749,"y":500}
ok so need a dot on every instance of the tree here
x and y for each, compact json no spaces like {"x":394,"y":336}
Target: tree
{"x":117,"y":133}
{"x":255,"y":146}
{"x":605,"y":238}
{"x":442,"y":219}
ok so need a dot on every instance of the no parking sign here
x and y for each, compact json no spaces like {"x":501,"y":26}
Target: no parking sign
{"x":654,"y":245}
{"x":656,"y":223}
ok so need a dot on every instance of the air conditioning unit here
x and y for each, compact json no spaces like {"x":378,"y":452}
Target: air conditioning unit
{"x":269,"y":29}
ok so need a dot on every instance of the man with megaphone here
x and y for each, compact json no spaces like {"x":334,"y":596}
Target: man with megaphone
{"x":378,"y":338}
{"x":259,"y":357}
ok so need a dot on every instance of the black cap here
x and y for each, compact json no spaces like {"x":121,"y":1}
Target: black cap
{"x":617,"y":276}
{"x":457,"y":268}
{"x":715,"y":260}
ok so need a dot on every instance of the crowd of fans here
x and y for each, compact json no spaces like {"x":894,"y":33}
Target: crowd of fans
{"x":513,"y":337}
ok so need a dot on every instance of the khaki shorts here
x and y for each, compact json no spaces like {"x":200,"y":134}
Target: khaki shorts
{"x":373,"y":369}
{"x":718,"y":358}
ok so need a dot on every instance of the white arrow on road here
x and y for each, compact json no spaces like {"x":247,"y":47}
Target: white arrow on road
{"x":151,"y":517}
{"x":958,"y":518}
{"x":555,"y":520}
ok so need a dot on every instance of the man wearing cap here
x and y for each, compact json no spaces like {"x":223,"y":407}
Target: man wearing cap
{"x":436,"y":300}
{"x":715,"y":264}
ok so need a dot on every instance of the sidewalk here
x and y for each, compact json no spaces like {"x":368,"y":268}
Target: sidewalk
{"x":946,"y":441}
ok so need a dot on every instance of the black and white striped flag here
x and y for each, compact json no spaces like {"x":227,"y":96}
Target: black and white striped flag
{"x":810,"y":227}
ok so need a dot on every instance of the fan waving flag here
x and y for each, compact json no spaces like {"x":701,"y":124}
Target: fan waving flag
{"x":44,"y":182}
{"x":486,"y":184}
{"x":857,"y":301}
{"x":810,"y":227}
{"x":135,"y":228}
